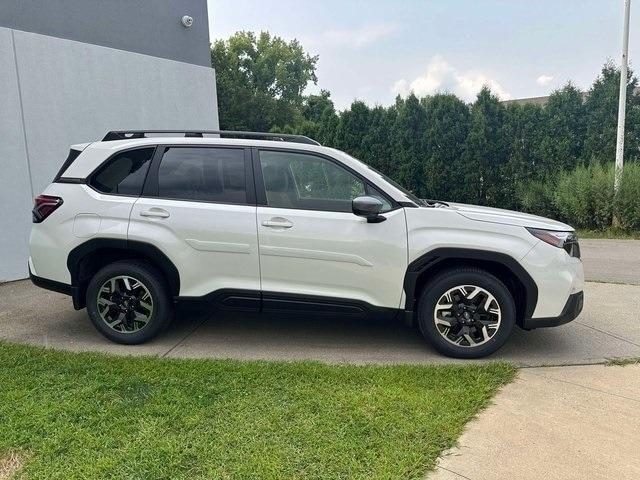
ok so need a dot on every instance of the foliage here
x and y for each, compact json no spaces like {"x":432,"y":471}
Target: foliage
{"x":584,"y":197}
{"x":97,"y":416}
{"x":628,"y":199}
{"x":539,"y":197}
{"x":260,"y":80}
{"x":601,"y":116}
{"x":492,"y":153}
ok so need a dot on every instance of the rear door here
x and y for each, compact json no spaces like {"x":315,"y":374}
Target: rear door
{"x":198,"y":207}
{"x":311,"y":244}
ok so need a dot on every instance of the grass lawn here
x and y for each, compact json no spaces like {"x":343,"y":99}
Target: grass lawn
{"x":70,"y":415}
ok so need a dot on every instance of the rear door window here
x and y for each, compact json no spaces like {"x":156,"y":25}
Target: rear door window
{"x":203,"y":173}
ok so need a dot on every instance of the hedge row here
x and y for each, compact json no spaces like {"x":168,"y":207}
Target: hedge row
{"x":584,"y":197}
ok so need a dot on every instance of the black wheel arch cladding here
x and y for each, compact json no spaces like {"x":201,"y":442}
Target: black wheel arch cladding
{"x":438,"y":259}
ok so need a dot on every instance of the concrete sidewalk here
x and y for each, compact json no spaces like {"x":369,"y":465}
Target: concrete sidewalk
{"x":565,"y":423}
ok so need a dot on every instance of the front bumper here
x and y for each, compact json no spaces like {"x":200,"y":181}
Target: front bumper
{"x":571,"y":310}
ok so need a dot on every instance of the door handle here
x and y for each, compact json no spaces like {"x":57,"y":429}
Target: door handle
{"x":155,"y":213}
{"x":277,"y":222}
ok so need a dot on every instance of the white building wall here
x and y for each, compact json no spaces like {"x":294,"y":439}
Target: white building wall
{"x":56,"y":92}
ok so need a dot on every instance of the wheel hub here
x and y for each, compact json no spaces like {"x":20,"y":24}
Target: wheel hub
{"x":125,"y":304}
{"x":467,"y":315}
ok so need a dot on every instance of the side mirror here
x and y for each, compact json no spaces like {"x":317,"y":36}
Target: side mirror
{"x":368,"y":207}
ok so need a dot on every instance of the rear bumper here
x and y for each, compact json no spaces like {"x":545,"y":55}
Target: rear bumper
{"x":50,"y":284}
{"x":55,"y":286}
{"x":571,"y":310}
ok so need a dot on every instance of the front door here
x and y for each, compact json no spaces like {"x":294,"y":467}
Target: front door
{"x":312,"y":245}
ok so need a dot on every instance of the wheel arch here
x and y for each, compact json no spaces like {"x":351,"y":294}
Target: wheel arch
{"x":87,"y":258}
{"x":506,"y":268}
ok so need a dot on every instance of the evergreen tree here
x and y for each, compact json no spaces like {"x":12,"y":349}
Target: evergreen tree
{"x":601,"y":109}
{"x":521,"y":131}
{"x":563,"y":126}
{"x":352,"y":128}
{"x":446,"y":128}
{"x":484,"y":157}
{"x":408,"y":145}
{"x":376,"y":143}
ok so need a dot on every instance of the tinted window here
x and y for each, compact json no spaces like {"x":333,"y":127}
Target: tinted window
{"x":202,"y":173}
{"x":296,"y":180}
{"x":124,"y":174}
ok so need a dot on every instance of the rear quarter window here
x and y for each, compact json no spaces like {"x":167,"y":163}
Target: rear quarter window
{"x":124,"y":173}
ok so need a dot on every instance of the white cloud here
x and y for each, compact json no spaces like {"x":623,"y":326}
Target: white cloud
{"x":544,"y":80}
{"x":441,"y":76}
{"x":354,"y":37}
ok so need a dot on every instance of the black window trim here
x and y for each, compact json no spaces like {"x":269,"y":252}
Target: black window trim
{"x":95,"y":171}
{"x":261,"y":194}
{"x":71,"y":157}
{"x":151,"y":187}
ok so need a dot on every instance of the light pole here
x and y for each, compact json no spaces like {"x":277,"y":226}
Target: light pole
{"x":622,"y":101}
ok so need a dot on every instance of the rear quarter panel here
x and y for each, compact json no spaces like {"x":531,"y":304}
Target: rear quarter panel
{"x":83,"y":214}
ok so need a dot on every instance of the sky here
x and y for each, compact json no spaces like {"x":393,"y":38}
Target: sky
{"x":374,"y":50}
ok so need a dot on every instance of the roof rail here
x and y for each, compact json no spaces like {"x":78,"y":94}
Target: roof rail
{"x":282,"y":137}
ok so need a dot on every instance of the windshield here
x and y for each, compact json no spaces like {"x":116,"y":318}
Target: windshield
{"x":406,"y":192}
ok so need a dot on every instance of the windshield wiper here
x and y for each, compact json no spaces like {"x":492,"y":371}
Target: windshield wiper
{"x":433,"y":203}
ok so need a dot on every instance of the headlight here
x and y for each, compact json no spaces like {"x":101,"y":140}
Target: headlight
{"x":565,"y":240}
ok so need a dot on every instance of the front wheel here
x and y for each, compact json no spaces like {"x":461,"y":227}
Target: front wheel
{"x":466,"y":313}
{"x":129,"y":302}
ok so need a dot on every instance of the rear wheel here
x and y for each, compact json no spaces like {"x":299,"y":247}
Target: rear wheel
{"x":466,"y":313}
{"x":129,"y":302}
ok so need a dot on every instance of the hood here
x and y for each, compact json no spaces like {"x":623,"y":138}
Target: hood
{"x":507,"y":217}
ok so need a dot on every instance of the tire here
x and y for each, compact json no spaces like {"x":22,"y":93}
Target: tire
{"x":133,"y":297}
{"x":476,"y":299}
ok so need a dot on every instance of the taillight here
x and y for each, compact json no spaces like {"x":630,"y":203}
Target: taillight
{"x":44,"y":205}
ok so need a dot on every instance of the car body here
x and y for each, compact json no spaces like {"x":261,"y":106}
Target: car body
{"x":250,"y":223}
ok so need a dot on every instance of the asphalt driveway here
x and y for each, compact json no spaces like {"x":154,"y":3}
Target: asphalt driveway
{"x":608,"y":327}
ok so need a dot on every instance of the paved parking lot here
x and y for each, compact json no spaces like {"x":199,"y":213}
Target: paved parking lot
{"x":608,"y":327}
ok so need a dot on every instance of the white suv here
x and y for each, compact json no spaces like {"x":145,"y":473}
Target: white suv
{"x":271,"y":222}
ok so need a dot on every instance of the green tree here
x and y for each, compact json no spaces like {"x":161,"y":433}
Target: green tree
{"x":563,"y":132}
{"x":521,"y":133}
{"x":484,"y":157}
{"x":601,"y":110}
{"x":314,"y":106}
{"x":408,"y":144}
{"x":352,"y":128}
{"x":260,"y":80}
{"x":376,"y":143}
{"x":446,"y":128}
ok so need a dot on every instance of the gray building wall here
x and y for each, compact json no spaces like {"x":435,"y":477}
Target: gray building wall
{"x":151,"y":27}
{"x":55,"y":92}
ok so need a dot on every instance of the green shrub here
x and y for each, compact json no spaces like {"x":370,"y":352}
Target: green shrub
{"x":584,"y":196}
{"x":538,"y":197}
{"x":628,"y":200}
